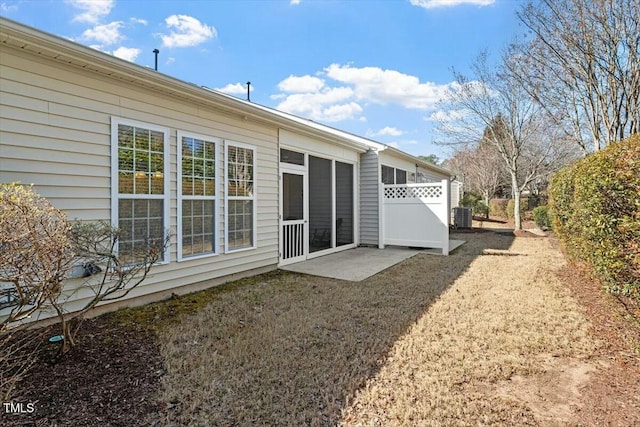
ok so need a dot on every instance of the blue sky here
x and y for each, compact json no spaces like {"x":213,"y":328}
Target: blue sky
{"x":374,"y":68}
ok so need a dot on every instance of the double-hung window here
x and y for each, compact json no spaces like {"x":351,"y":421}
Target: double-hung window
{"x":197,"y":195}
{"x":140,"y":187}
{"x":240,"y":196}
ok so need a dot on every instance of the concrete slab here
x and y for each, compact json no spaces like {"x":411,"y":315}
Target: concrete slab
{"x":360,"y":263}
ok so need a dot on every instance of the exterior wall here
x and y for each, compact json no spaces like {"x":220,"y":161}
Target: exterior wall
{"x":55,"y":133}
{"x":316,"y":147}
{"x":369,"y":198}
{"x":388,"y":158}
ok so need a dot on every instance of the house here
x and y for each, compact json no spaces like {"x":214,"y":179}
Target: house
{"x":243,"y":188}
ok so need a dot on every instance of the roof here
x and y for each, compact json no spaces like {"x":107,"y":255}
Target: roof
{"x":59,"y":49}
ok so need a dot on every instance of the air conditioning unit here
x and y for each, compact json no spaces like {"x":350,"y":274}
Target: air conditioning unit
{"x":462,"y":217}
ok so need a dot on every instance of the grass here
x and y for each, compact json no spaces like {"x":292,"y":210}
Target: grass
{"x":431,"y":341}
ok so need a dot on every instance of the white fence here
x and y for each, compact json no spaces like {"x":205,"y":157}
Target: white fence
{"x":415,"y":215}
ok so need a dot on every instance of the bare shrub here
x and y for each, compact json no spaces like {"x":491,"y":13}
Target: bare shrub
{"x":35,"y":255}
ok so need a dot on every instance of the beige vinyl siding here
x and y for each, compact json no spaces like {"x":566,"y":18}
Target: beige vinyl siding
{"x":369,"y":194}
{"x":55,"y":133}
{"x":388,"y":158}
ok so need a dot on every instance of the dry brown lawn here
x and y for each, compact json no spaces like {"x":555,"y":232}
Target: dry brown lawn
{"x":486,"y":336}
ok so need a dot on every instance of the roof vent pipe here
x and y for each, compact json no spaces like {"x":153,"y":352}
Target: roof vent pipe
{"x":249,"y":91}
{"x":156,"y":52}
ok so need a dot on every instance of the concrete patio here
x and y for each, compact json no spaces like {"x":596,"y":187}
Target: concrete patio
{"x":360,"y":263}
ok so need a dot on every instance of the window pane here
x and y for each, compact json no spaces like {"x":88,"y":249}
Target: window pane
{"x":401,"y":176}
{"x":141,"y":183}
{"x":125,"y":182}
{"x":157,"y":142}
{"x":293,"y":157}
{"x":141,"y":139}
{"x":141,"y":208}
{"x":140,"y":232}
{"x":209,"y":169}
{"x":140,"y":161}
{"x":125,"y":136}
{"x":125,"y":159}
{"x":197,"y":227}
{"x":187,"y":185}
{"x":210,"y":150}
{"x":209,"y":187}
{"x":198,"y":148}
{"x":157,"y":183}
{"x":240,"y":226}
{"x":388,"y":176}
{"x":198,"y":187}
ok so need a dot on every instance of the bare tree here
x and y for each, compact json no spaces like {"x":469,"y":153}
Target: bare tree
{"x":583,"y":67}
{"x":480,"y":167}
{"x":496,"y":109}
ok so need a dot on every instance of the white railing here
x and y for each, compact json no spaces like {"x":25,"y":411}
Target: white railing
{"x":293,"y":240}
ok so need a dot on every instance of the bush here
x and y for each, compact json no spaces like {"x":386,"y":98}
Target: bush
{"x":35,"y":252}
{"x":541,"y":217}
{"x":498,"y":207}
{"x":481,"y":209}
{"x":595,"y":212}
{"x":470,"y":199}
{"x":475,"y":202}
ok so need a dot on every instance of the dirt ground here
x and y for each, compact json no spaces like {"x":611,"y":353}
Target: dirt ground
{"x":501,"y":332}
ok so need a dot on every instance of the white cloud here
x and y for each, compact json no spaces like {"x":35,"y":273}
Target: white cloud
{"x":380,"y":86}
{"x":393,"y":144}
{"x":91,"y":10}
{"x":301,"y":84}
{"x":138,"y":21}
{"x":389,"y":131}
{"x":186,"y":31}
{"x":431,"y":4}
{"x":105,"y":34}
{"x":317,"y":97}
{"x":340,"y":112}
{"x":170,"y":60}
{"x":5,"y":7}
{"x":294,"y":2}
{"x":328,"y":105}
{"x":127,"y":53}
{"x":235,"y":89}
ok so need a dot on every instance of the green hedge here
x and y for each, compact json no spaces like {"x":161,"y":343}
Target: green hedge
{"x":541,"y":217}
{"x":595,"y":212}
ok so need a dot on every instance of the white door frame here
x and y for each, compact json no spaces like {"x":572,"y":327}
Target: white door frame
{"x":302,"y":247}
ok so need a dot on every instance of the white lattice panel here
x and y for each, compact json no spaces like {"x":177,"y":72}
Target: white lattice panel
{"x":421,"y":192}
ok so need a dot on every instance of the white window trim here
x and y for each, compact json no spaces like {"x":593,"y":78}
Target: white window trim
{"x":217,"y":142}
{"x":254,"y":198}
{"x":382,"y":176}
{"x":116,"y":196}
